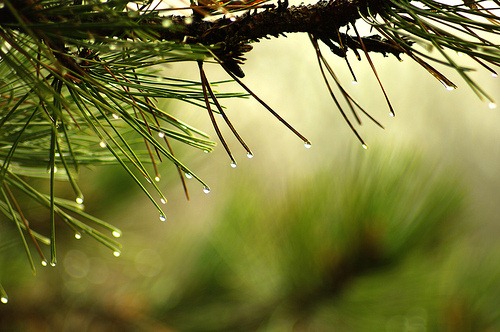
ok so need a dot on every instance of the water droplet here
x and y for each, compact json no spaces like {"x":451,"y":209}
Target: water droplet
{"x":163,"y":200}
{"x":492,"y":105}
{"x":52,"y":264}
{"x":166,"y":23}
{"x":112,"y":47}
{"x":4,"y":299}
{"x":116,"y":233}
{"x":78,"y":236}
{"x":494,"y":75}
{"x":391,"y":114}
{"x":206,"y":190}
{"x":233,"y":164}
{"x":232,"y":18}
{"x":157,"y":178}
{"x":189,"y":175}
{"x":364,"y":146}
{"x":44,"y":262}
{"x":307,"y":144}
{"x":116,"y":253}
{"x":115,"y":116}
{"x":79,"y":200}
{"x":188,"y":20}
{"x":249,"y":155}
{"x":449,"y":87}
{"x":2,"y":5}
{"x":102,"y":144}
{"x":354,"y":82}
{"x":163,"y":218}
{"x":161,"y":134}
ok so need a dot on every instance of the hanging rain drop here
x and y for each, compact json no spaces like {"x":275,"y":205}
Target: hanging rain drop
{"x":206,"y":190}
{"x":116,"y":253}
{"x":116,"y":233}
{"x":233,"y":164}
{"x":307,"y":144}
{"x":449,"y":87}
{"x":249,"y":155}
{"x":166,"y":23}
{"x":189,"y":175}
{"x":163,"y":218}
{"x":4,"y":299}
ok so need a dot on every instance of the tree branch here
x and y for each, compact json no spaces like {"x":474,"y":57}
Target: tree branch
{"x":229,"y":37}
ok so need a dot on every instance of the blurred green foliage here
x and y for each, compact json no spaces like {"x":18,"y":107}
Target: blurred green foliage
{"x":354,"y":247}
{"x":374,"y":242}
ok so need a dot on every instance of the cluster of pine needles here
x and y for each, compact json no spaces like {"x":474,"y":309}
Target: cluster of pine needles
{"x":81,"y":81}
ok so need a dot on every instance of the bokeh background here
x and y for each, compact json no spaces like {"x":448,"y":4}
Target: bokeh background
{"x":400,"y":237}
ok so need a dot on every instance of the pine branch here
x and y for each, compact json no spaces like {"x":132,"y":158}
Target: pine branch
{"x":80,"y":82}
{"x":228,"y":37}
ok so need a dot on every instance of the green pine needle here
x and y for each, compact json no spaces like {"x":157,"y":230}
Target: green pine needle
{"x":81,"y":83}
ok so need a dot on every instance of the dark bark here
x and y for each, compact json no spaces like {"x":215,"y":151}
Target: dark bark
{"x":230,"y":37}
